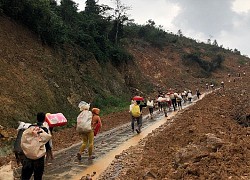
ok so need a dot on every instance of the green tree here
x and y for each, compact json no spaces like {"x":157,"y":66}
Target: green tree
{"x":92,"y":8}
{"x":215,"y":43}
{"x":120,"y":17}
{"x":68,"y":12}
{"x":150,"y":23}
{"x":179,"y":33}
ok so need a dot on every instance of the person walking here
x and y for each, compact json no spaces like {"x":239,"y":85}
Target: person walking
{"x":207,"y":87}
{"x":159,"y":100}
{"x":137,"y":115}
{"x":150,"y":104}
{"x":198,"y":93}
{"x":96,"y":121}
{"x":190,"y":96}
{"x":85,"y":129}
{"x":35,"y":166}
{"x":179,"y":101}
{"x":222,"y":85}
{"x":169,"y":103}
{"x":173,"y":100}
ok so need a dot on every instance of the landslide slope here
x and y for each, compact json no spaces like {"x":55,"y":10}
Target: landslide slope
{"x":35,"y":77}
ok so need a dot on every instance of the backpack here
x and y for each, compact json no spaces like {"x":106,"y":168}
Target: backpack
{"x":84,"y":120}
{"x":136,"y":111}
{"x":33,"y":142}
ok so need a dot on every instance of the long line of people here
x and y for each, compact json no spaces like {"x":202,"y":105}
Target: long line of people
{"x":165,"y":102}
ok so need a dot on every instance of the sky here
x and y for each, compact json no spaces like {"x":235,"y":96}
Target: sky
{"x":226,"y":21}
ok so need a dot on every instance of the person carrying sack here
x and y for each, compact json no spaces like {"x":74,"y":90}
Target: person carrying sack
{"x":84,"y":128}
{"x":35,"y":143}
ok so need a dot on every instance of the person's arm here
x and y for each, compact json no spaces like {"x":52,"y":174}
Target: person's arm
{"x":97,"y":124}
{"x":99,"y":121}
{"x":95,"y":121}
{"x":144,"y":104}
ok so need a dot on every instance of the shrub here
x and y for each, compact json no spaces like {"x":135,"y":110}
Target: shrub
{"x":205,"y":65}
{"x":119,"y":56}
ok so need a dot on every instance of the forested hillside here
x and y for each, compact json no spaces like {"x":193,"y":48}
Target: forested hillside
{"x":53,"y":56}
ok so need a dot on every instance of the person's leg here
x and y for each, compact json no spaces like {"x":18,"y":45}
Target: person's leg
{"x":84,"y":142}
{"x":151,"y":111}
{"x":169,"y":105}
{"x":133,"y":123}
{"x":38,"y":168}
{"x":139,"y":124}
{"x":49,"y":156}
{"x":83,"y":146}
{"x":174,"y":103}
{"x":27,"y":169}
{"x":179,"y":105}
{"x":91,"y":144}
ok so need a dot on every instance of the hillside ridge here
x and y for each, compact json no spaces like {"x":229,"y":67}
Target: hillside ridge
{"x":36,"y":77}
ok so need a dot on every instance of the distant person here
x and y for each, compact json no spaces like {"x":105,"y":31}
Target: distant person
{"x":173,"y":100}
{"x":159,"y":100}
{"x":150,"y":104}
{"x":198,"y":93}
{"x":167,"y":96}
{"x":207,"y":86}
{"x":212,"y":86}
{"x":137,"y":115}
{"x":179,"y":101}
{"x":222,"y":84}
{"x":36,"y":166}
{"x":190,"y":96}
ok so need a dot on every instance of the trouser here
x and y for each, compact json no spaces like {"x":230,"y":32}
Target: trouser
{"x":174,"y":103}
{"x":87,"y":139}
{"x":179,"y":104}
{"x":30,"y":166}
{"x":151,"y":109}
{"x":160,"y":106}
{"x":139,"y":122}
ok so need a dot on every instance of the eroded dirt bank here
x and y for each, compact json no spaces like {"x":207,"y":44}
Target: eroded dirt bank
{"x":205,"y":142}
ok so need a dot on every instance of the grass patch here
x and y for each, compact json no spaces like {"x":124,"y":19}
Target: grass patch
{"x":111,"y":104}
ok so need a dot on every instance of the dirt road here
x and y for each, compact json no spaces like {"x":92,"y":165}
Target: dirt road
{"x":66,"y":166}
